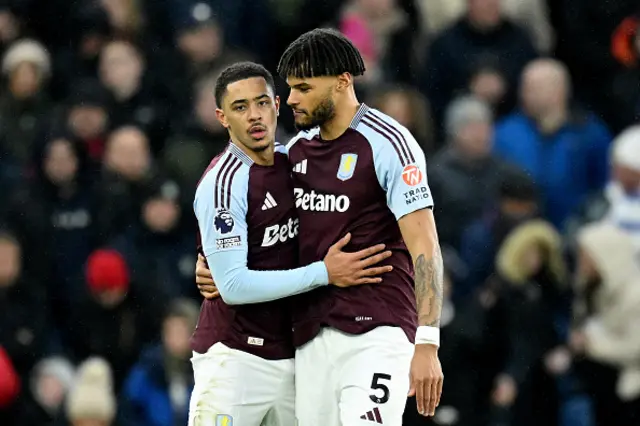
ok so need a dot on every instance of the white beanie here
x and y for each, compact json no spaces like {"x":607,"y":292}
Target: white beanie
{"x":626,"y":148}
{"x":92,"y":397}
{"x":27,"y":50}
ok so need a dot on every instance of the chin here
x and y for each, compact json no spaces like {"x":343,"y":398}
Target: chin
{"x":260,"y":145}
{"x":305,"y":125}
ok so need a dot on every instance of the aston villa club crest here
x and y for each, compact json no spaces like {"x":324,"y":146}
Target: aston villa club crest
{"x":224,"y":420}
{"x":347,"y":166}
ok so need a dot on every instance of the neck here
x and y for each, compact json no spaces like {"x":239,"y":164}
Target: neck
{"x":261,"y":158}
{"x":552,"y":120}
{"x":336,"y":126}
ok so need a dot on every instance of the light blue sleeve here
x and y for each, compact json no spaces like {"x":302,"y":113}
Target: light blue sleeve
{"x":405,"y":184}
{"x":223,"y":230}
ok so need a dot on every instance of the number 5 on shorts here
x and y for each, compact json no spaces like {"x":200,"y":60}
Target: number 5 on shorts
{"x":376,"y":386}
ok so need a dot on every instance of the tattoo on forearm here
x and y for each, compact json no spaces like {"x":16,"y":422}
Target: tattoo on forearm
{"x":429,"y":288}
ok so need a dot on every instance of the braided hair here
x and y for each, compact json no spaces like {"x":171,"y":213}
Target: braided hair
{"x":321,"y":53}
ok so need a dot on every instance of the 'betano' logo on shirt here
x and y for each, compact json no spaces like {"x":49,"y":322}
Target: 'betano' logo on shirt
{"x":315,"y":202}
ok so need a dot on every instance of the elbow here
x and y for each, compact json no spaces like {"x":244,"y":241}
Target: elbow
{"x":231,"y":298}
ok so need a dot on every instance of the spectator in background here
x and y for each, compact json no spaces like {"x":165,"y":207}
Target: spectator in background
{"x":9,"y":25}
{"x":123,"y":72}
{"x":117,"y":319}
{"x":23,"y":309}
{"x":85,"y":117}
{"x":464,"y":177}
{"x":200,"y":41}
{"x":488,"y":83}
{"x":619,"y":202}
{"x":158,"y":388}
{"x":128,"y":168}
{"x":410,"y":108}
{"x":584,"y":31}
{"x":92,"y":401}
{"x":198,"y":138}
{"x":607,"y":318}
{"x":50,"y":381}
{"x":157,"y":248}
{"x":531,"y":14}
{"x":517,"y":202}
{"x":24,"y":106}
{"x":77,"y":59}
{"x":533,"y":286}
{"x":625,"y":48}
{"x":55,"y":214}
{"x":483,"y":32}
{"x":233,"y":17}
{"x":563,"y":149}
{"x":465,"y":344}
{"x":10,"y":385}
{"x":380,"y":29}
{"x":125,"y":17}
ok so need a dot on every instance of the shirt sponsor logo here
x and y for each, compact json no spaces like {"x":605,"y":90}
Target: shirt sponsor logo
{"x":347,"y":166}
{"x":280,"y":233}
{"x":228,"y":242}
{"x":413,"y":195}
{"x":223,"y":221}
{"x":316,"y":202}
{"x":411,"y":175}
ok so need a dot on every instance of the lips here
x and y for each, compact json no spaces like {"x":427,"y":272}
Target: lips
{"x":258,"y":132}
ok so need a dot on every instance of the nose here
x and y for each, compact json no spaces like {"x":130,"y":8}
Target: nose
{"x":292,"y":100}
{"x":254,"y":113}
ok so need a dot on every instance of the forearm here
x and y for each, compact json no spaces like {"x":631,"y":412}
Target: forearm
{"x":429,"y":286}
{"x":239,"y":285}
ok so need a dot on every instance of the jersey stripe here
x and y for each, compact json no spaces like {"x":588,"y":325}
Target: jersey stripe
{"x":226,"y":162}
{"x":400,"y":137}
{"x":387,"y":136}
{"x":233,"y":173}
{"x":225,"y":187}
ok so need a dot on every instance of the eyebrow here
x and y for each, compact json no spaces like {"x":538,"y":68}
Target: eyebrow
{"x":300,"y":85}
{"x":257,"y":98}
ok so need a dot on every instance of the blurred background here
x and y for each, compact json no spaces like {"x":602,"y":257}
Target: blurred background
{"x":527,"y":111}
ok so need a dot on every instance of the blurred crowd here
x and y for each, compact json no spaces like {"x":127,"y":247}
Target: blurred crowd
{"x":527,"y":111}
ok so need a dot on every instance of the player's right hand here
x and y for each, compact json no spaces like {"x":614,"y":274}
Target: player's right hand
{"x":349,"y":269}
{"x":204,"y":280}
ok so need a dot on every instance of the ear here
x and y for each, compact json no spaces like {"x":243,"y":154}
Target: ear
{"x":277,"y":102}
{"x":345,"y":80}
{"x":222,"y":118}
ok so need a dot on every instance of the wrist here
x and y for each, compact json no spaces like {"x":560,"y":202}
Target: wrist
{"x":428,"y":336}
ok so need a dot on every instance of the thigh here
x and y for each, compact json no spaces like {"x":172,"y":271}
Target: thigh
{"x":316,"y":396}
{"x":375,"y":380}
{"x":230,"y":388}
{"x":283,"y":411}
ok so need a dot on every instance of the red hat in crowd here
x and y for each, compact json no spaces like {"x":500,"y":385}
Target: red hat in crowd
{"x":107,"y":270}
{"x":9,"y":380}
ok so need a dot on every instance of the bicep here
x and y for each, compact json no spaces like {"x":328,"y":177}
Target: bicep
{"x":223,"y":227}
{"x":403,"y":177}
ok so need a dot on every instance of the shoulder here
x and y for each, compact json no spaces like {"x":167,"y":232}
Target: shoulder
{"x":280,"y":148}
{"x":302,"y":135}
{"x":225,"y":172}
{"x":387,"y":136}
{"x":513,"y":122}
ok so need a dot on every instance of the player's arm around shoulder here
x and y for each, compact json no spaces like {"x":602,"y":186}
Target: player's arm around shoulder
{"x":402,"y":172}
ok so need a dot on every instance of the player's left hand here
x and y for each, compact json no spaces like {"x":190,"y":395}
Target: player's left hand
{"x":204,"y":280}
{"x":426,"y":378}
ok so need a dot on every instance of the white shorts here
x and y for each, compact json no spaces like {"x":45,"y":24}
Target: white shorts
{"x":353,"y":380}
{"x":234,"y":388}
